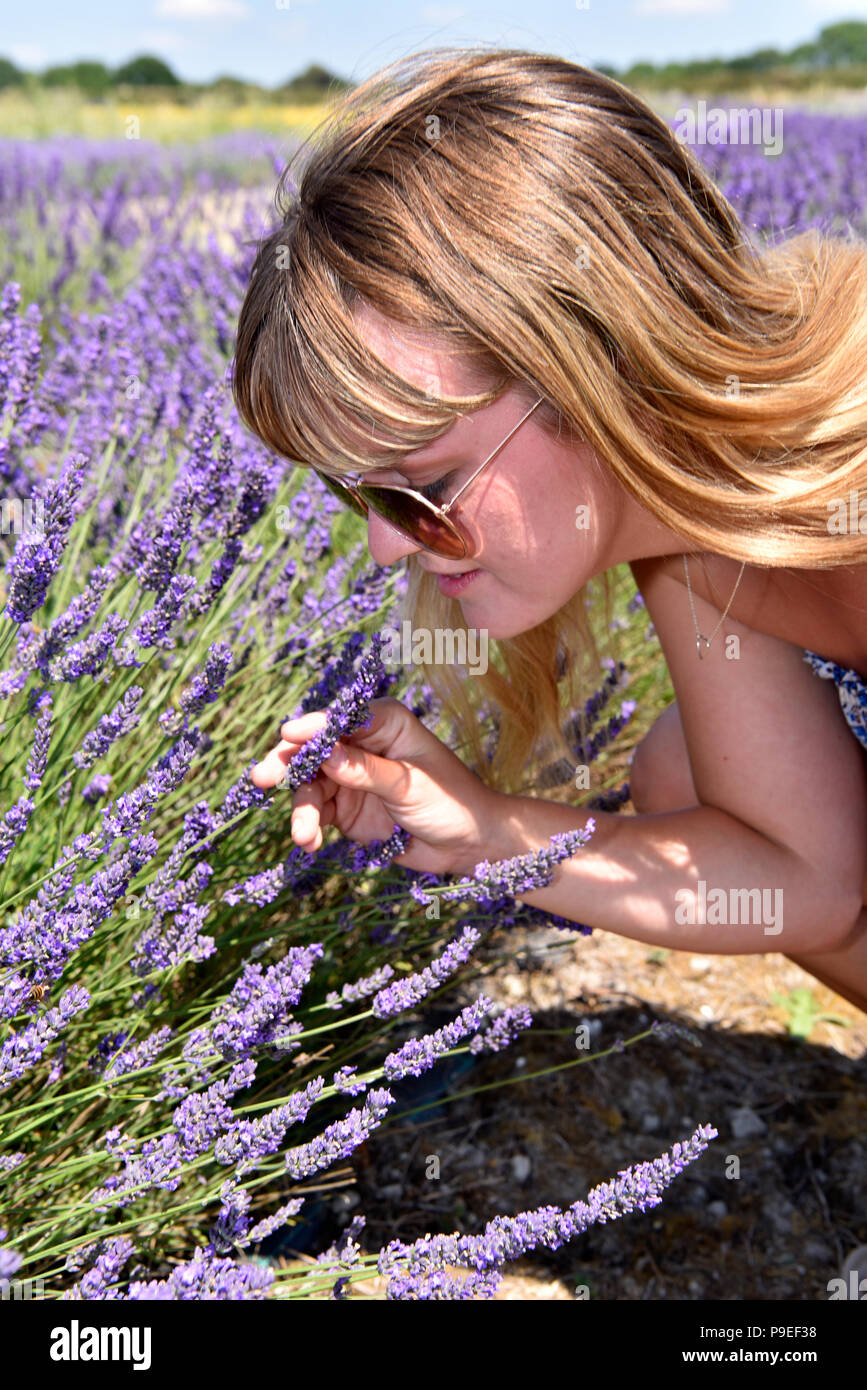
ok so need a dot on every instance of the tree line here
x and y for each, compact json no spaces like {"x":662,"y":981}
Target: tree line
{"x":839,"y":51}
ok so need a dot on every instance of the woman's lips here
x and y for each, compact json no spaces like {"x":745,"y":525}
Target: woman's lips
{"x":453,"y":584}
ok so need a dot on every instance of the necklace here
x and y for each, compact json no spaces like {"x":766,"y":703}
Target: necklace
{"x":699,"y":637}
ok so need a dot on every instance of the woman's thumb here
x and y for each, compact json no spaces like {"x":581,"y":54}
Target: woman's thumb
{"x":394,"y":732}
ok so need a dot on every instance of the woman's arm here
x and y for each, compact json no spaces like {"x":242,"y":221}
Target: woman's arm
{"x":783,"y":794}
{"x":638,"y":876}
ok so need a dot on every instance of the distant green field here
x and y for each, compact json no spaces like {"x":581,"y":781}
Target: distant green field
{"x":38,"y":113}
{"x":62,"y":112}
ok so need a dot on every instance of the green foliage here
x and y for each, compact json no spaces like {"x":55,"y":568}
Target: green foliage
{"x":804,"y":1013}
{"x":843,"y":43}
{"x":146,"y":71}
{"x":313,"y":85}
{"x":10,"y":75}
{"x":91,"y":77}
{"x":838,"y":48}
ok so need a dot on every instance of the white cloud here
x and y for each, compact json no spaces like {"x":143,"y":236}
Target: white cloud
{"x":850,"y":8}
{"x":681,"y":7}
{"x":158,"y":41}
{"x":27,"y":55}
{"x":202,"y":9}
{"x":441,"y":14}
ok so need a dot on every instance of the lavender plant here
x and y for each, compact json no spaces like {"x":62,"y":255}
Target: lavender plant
{"x":170,"y":976}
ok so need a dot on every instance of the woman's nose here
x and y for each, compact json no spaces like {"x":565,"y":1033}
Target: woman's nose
{"x":386,"y":545}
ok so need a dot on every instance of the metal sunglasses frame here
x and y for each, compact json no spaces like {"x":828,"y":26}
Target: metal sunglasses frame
{"x":354,"y":486}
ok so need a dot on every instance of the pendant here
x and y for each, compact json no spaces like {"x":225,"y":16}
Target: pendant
{"x":698,"y":642}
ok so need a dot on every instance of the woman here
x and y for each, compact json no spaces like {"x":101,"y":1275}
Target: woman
{"x":504,"y":278}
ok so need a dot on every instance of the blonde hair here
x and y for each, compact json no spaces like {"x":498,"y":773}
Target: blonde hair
{"x":542,"y":218}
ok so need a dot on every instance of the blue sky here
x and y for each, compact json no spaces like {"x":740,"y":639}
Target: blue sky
{"x":268,"y":41}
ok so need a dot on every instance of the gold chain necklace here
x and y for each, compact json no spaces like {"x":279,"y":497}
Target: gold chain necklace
{"x":699,"y":638}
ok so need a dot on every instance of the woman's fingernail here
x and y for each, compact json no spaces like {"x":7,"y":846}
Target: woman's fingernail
{"x":337,"y":756}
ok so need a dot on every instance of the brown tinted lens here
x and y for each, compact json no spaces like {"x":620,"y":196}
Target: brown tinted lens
{"x":345,"y":494}
{"x":410,"y":515}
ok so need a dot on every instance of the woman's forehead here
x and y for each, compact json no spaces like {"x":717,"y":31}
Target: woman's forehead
{"x":427,"y":360}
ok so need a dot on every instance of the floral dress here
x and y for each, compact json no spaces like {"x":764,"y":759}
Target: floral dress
{"x":851,"y":689}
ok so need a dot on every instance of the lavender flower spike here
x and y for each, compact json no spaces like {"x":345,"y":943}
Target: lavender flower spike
{"x":340,"y":1139}
{"x":404,"y":994}
{"x":24,"y":1050}
{"x":507,"y":1238}
{"x":37,"y":556}
{"x":420,"y":1054}
{"x":350,"y":711}
{"x":525,"y":872}
{"x":111,"y":726}
{"x":205,"y":1277}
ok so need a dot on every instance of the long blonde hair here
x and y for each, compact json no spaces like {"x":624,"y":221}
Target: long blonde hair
{"x":546,"y":221}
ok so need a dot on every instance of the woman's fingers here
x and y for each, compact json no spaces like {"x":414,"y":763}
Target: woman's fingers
{"x":304,"y":727}
{"x":272,"y":768}
{"x":307,"y":811}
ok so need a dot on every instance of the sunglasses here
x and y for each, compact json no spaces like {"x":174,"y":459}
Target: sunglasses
{"x":434,"y":528}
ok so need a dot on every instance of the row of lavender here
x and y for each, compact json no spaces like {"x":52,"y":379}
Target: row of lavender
{"x":163,"y":960}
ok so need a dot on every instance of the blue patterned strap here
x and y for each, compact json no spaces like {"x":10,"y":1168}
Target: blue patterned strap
{"x":851,"y":690}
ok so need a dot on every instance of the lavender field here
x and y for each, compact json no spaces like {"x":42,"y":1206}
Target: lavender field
{"x":201,"y":1022}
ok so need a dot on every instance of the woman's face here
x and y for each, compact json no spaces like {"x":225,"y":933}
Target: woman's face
{"x":545,"y":514}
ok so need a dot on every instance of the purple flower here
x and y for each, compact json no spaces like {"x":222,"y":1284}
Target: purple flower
{"x":379,"y":852}
{"x":246,"y":1142}
{"x":37,"y":557}
{"x":10,"y":1260}
{"x":507,"y":1238}
{"x":344,"y":1253}
{"x":419,"y":1054}
{"x":341,"y":1138}
{"x":511,"y":877}
{"x":273,"y":1223}
{"x":666,"y":1028}
{"x":197,"y":1121}
{"x":335,"y":676}
{"x":96,"y":788}
{"x":349,"y":712}
{"x":202,"y":1116}
{"x":205,"y":687}
{"x":140,"y":1055}
{"x":436,"y":1285}
{"x":256,"y":1010}
{"x":87,"y":657}
{"x":403,"y":994}
{"x":96,"y":1283}
{"x":154,"y":626}
{"x":79,"y":611}
{"x":47,"y":935}
{"x":119,"y":721}
{"x":164,"y":943}
{"x":343,"y":1080}
{"x":125,"y":815}
{"x":22,"y":1051}
{"x":41,"y":738}
{"x":503,"y":1030}
{"x":162,"y":549}
{"x":229,"y":1231}
{"x":206,"y":1277}
{"x":14,"y":824}
{"x":351,"y":993}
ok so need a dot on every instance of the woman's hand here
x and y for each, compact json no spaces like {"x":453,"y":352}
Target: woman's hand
{"x":395,"y":772}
